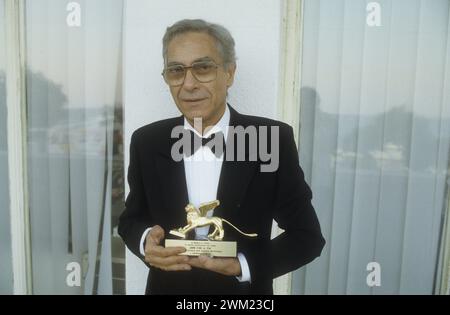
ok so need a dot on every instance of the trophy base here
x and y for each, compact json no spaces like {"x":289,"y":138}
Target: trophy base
{"x":205,"y":247}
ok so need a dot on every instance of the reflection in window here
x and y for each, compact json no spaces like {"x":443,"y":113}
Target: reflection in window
{"x":374,"y":143}
{"x":75,"y":147}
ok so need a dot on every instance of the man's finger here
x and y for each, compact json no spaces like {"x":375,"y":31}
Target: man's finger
{"x":152,"y":249}
{"x":204,"y":262}
{"x":168,"y":261}
{"x":178,"y":267}
{"x":195,"y":262}
{"x":156,"y":239}
{"x":210,"y":263}
{"x":165,"y":252}
{"x":156,"y":234}
{"x":174,"y":267}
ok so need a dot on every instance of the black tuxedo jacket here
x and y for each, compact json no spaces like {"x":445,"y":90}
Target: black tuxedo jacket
{"x":250,"y":199}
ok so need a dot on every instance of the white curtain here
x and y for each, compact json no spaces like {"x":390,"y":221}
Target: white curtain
{"x":6,"y":280}
{"x":73,"y":91}
{"x":374,"y":142}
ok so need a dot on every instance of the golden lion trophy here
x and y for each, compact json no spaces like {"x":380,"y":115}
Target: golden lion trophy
{"x":213,"y":246}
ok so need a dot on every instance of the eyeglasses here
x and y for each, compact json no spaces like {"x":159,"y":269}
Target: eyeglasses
{"x":203,"y":71}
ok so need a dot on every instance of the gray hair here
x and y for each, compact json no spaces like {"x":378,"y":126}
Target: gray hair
{"x":224,"y":40}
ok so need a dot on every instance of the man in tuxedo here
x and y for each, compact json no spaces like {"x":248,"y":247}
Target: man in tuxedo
{"x":199,"y":67}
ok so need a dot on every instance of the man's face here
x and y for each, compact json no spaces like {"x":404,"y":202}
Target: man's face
{"x":193,"y":98}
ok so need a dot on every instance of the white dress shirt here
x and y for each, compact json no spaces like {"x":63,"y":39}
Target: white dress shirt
{"x":202,"y":171}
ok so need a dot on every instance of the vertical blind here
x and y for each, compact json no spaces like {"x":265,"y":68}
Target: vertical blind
{"x":6,"y":280}
{"x":374,"y":142}
{"x":73,"y":91}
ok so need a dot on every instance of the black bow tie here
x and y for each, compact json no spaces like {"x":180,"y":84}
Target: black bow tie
{"x":210,"y":142}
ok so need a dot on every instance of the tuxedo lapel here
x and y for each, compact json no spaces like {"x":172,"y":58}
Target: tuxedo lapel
{"x":233,"y":183}
{"x":172,"y":179}
{"x":234,"y":177}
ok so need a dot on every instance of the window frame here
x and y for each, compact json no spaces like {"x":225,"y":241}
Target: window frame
{"x":288,"y":107}
{"x":17,"y":145}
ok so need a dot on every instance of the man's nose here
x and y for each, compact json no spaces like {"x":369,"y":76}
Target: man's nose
{"x":190,"y":82}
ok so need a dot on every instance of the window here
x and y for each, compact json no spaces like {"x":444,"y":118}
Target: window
{"x":374,"y":142}
{"x":75,"y":164}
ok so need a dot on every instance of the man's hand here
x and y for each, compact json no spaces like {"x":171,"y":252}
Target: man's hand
{"x":225,"y":266}
{"x":167,"y":259}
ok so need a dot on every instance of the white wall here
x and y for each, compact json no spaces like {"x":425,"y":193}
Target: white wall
{"x":255,"y":26}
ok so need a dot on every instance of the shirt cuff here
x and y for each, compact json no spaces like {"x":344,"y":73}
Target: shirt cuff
{"x":245,"y":270}
{"x":141,"y":246}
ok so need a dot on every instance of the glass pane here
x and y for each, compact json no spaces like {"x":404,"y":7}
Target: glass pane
{"x":6,"y":279}
{"x":374,"y":142}
{"x":75,"y":145}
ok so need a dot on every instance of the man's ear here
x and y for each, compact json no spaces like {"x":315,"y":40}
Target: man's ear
{"x":230,"y":73}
